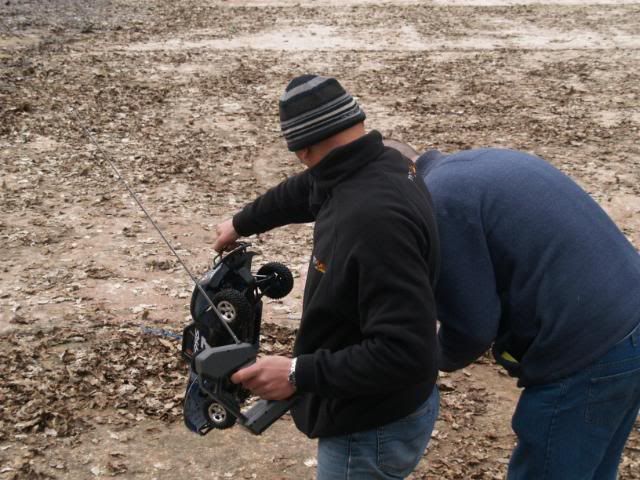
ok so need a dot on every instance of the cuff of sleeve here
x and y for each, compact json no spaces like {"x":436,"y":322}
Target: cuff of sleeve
{"x":243,"y":224}
{"x":305,"y":373}
{"x":445,"y":365}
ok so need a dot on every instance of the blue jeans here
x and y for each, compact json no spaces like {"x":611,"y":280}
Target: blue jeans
{"x":388,"y":452}
{"x":576,"y":428}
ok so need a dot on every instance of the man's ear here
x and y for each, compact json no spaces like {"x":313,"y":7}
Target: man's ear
{"x":303,"y":155}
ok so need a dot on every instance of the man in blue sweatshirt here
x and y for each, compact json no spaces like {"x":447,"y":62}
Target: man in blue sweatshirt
{"x":532,"y":266}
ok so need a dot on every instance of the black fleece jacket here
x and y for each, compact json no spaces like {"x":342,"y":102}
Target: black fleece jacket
{"x":366,"y":345}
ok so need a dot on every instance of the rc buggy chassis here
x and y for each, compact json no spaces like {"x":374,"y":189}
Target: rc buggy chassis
{"x":212,"y":400}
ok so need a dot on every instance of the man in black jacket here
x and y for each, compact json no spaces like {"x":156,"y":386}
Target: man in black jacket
{"x":364,"y":361}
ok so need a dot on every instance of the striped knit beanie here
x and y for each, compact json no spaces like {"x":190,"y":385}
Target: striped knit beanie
{"x":313,"y":108}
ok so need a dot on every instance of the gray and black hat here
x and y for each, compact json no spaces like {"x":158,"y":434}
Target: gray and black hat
{"x":313,"y":108}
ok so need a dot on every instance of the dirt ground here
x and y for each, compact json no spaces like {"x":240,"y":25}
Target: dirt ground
{"x":183,"y":96}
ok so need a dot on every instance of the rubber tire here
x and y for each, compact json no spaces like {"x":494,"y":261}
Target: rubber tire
{"x":282,"y":284}
{"x":243,"y":322}
{"x":229,"y":420}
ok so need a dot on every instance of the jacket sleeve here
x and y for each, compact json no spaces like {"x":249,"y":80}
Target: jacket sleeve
{"x":388,"y":264}
{"x":287,"y":202}
{"x":469,"y":306}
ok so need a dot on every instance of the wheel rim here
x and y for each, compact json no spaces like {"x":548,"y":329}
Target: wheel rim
{"x":217,"y":413}
{"x":227,"y":310}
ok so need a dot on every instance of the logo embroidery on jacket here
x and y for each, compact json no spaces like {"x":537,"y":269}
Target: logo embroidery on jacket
{"x":319,"y":265}
{"x":412,"y":171}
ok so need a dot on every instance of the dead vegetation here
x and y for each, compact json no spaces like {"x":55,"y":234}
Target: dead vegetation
{"x":183,"y":97}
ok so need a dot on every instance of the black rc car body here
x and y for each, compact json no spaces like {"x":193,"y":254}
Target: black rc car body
{"x":212,"y":400}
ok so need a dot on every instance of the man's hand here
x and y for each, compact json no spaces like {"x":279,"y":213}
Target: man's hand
{"x":226,"y":235}
{"x":268,"y":378}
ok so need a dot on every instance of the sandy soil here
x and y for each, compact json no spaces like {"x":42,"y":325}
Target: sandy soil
{"x":183,"y":96}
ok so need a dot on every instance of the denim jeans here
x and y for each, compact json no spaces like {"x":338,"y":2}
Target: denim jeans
{"x":388,"y":452}
{"x":576,"y":428}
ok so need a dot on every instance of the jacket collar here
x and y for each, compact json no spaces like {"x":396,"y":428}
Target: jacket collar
{"x":344,"y":161}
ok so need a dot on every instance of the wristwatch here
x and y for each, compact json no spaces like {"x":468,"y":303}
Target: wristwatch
{"x":292,"y":372}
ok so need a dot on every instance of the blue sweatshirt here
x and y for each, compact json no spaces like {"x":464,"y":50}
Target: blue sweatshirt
{"x":530,"y":264}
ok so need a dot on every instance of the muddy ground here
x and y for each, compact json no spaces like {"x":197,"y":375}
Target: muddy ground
{"x":183,"y":97}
